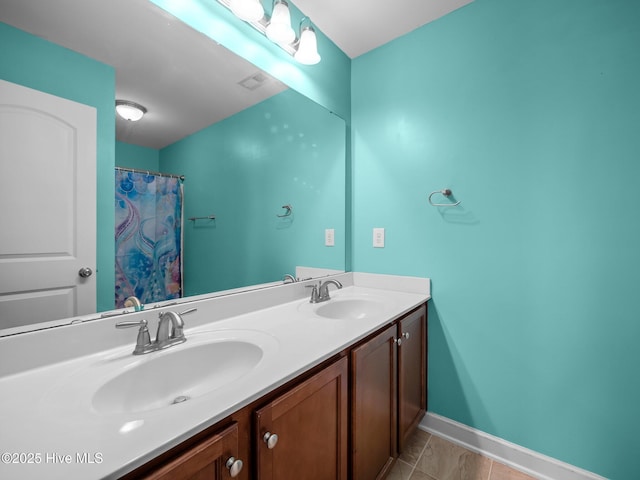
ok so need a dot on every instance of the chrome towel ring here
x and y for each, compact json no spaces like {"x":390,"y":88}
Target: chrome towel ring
{"x":288,"y":212}
{"x":445,"y":192}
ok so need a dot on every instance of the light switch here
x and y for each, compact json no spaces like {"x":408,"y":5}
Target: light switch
{"x":378,"y":237}
{"x":329,"y":237}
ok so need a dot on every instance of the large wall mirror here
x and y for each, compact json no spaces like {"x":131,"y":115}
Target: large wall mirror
{"x":265,"y":161}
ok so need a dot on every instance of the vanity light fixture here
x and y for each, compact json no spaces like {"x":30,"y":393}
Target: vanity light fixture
{"x":131,"y":111}
{"x":277,"y":28}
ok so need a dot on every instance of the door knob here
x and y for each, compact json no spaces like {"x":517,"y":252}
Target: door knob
{"x":271,"y":439}
{"x":85,"y":272}
{"x":234,"y":466}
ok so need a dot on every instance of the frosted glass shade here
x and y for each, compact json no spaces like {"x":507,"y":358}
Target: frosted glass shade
{"x":247,"y":10}
{"x":307,"y":52}
{"x":279,"y":29}
{"x":130,"y":110}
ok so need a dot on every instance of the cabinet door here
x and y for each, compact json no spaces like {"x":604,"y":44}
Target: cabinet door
{"x":207,"y":460}
{"x":412,"y":368}
{"x":373,"y":404}
{"x":302,"y":434}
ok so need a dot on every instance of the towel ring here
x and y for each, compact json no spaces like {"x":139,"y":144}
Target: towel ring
{"x":445,"y":192}
{"x":289,"y":210}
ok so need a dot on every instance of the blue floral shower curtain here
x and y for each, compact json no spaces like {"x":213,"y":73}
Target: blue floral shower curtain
{"x":148,"y":237}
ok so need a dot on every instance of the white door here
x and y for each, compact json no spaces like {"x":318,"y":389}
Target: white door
{"x":47,"y":206}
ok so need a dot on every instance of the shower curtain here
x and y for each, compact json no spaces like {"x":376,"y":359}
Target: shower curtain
{"x":148,"y":211}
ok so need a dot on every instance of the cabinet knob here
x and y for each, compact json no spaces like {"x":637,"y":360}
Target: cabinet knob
{"x":398,"y":341}
{"x":271,"y":439}
{"x":406,"y":335}
{"x":234,"y":466}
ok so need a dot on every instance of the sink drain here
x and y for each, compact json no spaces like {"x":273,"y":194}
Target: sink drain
{"x":180,"y":399}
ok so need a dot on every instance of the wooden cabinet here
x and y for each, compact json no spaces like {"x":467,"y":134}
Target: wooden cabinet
{"x":347,"y":418}
{"x":302,"y":434}
{"x":373,"y":406}
{"x":412,"y":373}
{"x":388,"y":394}
{"x":211,"y":459}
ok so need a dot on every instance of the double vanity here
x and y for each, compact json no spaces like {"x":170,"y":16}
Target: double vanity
{"x":266,"y":384}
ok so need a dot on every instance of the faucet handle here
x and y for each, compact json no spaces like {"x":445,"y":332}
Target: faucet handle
{"x":132,"y":323}
{"x":178,"y":331}
{"x":314,"y":293}
{"x":143,"y":342}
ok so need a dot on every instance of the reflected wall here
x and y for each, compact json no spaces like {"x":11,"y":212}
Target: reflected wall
{"x":286,"y":150}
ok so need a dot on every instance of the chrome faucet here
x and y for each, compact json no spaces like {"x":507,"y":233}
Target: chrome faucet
{"x":323,"y":289}
{"x":133,"y":302}
{"x":289,"y":279}
{"x":320,"y":293}
{"x":170,"y":332}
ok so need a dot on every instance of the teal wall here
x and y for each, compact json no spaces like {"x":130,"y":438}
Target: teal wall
{"x":35,"y":63}
{"x":135,"y":156}
{"x":529,"y":111}
{"x":243,"y":169}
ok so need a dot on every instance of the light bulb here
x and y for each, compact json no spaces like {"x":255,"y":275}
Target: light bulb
{"x":307,"y":52}
{"x":247,"y":10}
{"x":279,"y":29}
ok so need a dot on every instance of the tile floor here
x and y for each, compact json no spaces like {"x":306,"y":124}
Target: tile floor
{"x":428,"y":457}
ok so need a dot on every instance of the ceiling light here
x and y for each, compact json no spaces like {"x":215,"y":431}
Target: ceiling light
{"x":130,"y":110}
{"x":279,"y":29}
{"x":307,"y":52}
{"x":247,"y":10}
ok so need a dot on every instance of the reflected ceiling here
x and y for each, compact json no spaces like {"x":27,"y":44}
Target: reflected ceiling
{"x":150,"y":59}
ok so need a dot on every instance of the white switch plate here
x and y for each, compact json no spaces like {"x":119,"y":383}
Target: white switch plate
{"x":329,"y":237}
{"x":378,"y":237}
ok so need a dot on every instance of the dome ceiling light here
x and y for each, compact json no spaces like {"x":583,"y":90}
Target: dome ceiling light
{"x":130,"y":111}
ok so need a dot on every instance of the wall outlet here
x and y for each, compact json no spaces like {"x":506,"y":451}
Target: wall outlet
{"x":378,"y":237}
{"x":329,"y":237}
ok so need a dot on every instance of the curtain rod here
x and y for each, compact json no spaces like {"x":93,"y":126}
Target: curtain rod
{"x":149,"y":172}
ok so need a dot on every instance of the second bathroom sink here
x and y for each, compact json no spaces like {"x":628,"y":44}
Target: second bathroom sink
{"x":349,"y":308}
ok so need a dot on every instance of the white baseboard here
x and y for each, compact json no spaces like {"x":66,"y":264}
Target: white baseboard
{"x":517,"y":457}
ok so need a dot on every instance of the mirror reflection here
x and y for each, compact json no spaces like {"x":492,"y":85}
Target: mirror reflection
{"x":264,"y":161}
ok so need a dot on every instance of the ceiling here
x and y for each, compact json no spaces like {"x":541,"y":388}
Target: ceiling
{"x":158,"y":60}
{"x":358,"y":26}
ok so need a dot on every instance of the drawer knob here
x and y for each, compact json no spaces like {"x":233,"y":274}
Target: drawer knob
{"x":271,"y":439}
{"x":234,"y":466}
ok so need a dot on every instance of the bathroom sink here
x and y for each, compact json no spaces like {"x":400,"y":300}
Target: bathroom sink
{"x":349,"y":308}
{"x":346,"y":307}
{"x":170,"y":377}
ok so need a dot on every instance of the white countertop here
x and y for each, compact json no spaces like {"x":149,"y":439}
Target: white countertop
{"x":50,"y":428}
